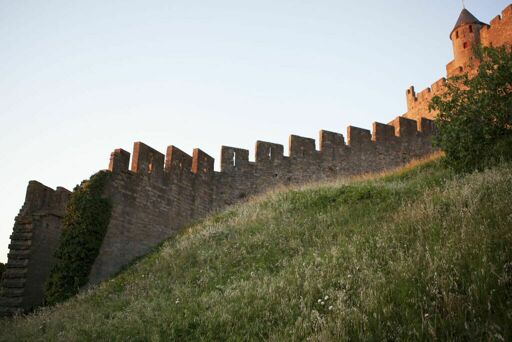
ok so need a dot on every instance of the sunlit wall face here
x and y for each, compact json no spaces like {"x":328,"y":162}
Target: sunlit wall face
{"x":78,"y":79}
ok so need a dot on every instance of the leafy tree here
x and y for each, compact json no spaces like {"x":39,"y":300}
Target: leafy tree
{"x":475,"y":113}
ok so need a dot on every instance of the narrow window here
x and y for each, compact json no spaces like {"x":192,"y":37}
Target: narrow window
{"x":470,"y":29}
{"x":465,"y":45}
{"x":233,"y":162}
{"x":456,"y":34}
{"x":270,"y":153}
{"x":461,"y":69}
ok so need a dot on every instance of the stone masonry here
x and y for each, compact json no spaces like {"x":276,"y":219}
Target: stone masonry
{"x":35,"y":236}
{"x":153,"y":195}
{"x":159,"y":194}
{"x":162,"y":193}
{"x":468,"y":31}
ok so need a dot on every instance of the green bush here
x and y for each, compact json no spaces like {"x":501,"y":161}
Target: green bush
{"x":84,"y":227}
{"x":475,"y":114}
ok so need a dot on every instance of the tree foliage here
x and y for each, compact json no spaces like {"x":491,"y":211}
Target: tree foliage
{"x":85,"y":224}
{"x":475,"y":113}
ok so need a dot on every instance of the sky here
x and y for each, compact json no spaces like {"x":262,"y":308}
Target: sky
{"x":79,"y":79}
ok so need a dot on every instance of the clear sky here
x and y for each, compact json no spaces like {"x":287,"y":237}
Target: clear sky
{"x":81,"y":78}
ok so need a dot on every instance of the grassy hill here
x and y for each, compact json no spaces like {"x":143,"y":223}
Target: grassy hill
{"x":415,"y":254}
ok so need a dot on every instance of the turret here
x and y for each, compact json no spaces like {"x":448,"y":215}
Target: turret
{"x":464,"y":36}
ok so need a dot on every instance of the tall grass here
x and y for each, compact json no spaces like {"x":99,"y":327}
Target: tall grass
{"x":418,"y":254}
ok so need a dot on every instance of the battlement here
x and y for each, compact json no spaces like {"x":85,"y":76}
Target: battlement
{"x":232,"y":158}
{"x":383,"y":133}
{"x":498,"y":33}
{"x":202,"y":163}
{"x":154,"y":164}
{"x":177,"y":162}
{"x":148,"y":209}
{"x":495,"y":21}
{"x":418,"y":103}
{"x":506,"y":14}
{"x":426,"y":94}
{"x":268,"y":152}
{"x":301,"y":147}
{"x":147,"y":160}
{"x":331,"y":141}
{"x":154,"y":195}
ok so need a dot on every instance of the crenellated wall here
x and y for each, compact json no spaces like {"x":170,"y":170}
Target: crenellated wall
{"x":162,"y":193}
{"x":154,"y":195}
{"x":417,"y":104}
{"x":35,"y":236}
{"x":498,"y":33}
{"x":500,"y":30}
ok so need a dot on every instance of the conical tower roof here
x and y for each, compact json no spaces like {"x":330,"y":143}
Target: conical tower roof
{"x":466,"y":18}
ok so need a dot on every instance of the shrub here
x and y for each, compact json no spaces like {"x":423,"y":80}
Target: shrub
{"x":84,"y":227}
{"x":475,"y":113}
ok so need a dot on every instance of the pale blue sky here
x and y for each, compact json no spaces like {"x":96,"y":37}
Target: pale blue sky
{"x":81,"y":78}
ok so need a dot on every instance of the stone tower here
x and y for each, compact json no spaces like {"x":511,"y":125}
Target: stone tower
{"x":464,"y":35}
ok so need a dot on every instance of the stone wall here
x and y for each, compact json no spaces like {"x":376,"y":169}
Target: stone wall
{"x":35,"y":237}
{"x":163,"y":193}
{"x":499,"y":33}
{"x":500,"y":30}
{"x":417,"y":104}
{"x":159,"y":194}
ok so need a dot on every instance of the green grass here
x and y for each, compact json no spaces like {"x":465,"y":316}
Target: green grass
{"x":419,"y":254}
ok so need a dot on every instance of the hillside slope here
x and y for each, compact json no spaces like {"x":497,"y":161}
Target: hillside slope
{"x":415,"y":254}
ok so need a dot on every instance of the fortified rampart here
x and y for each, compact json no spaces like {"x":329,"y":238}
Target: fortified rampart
{"x":153,"y":194}
{"x":159,"y":194}
{"x":162,"y":193}
{"x":35,"y":237}
{"x":466,"y":33}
